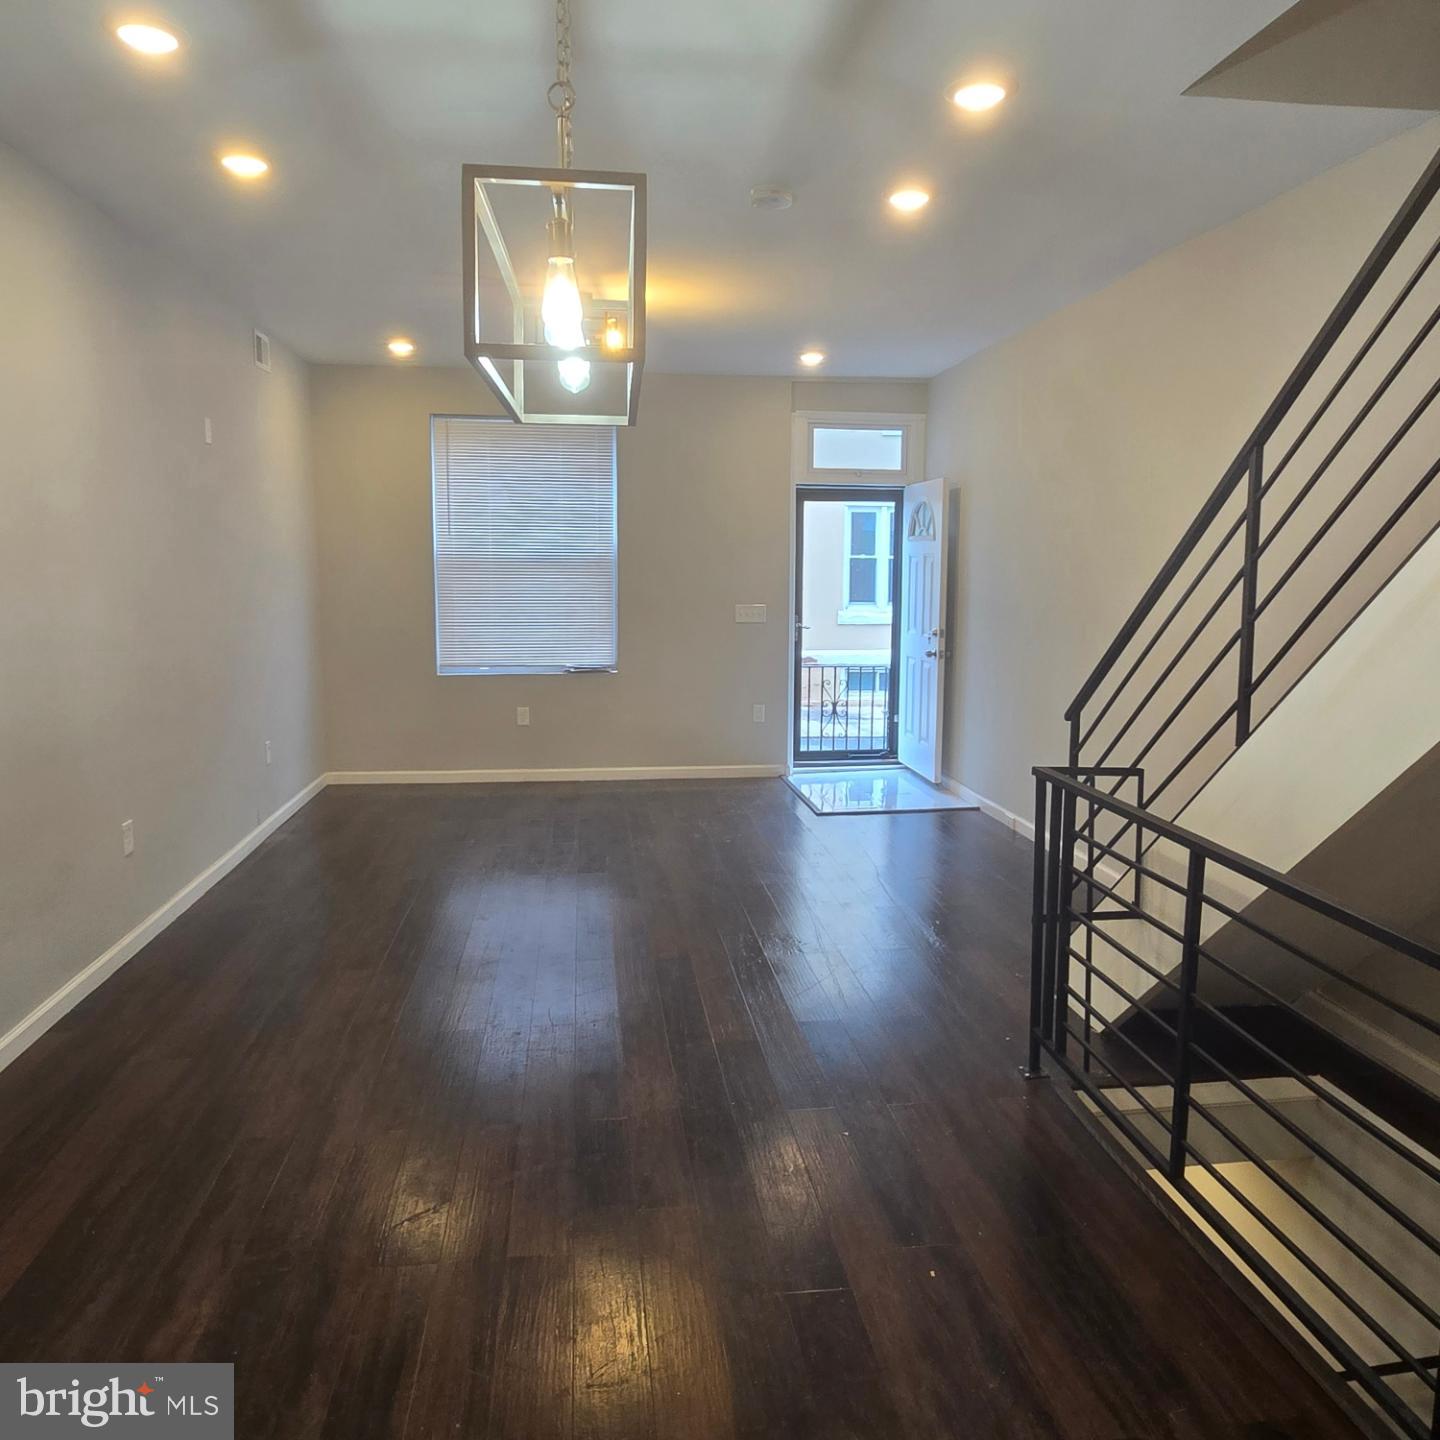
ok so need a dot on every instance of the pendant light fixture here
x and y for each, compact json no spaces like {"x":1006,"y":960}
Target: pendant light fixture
{"x":560,"y":335}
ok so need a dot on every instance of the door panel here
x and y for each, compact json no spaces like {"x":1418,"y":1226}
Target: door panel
{"x":922,"y":628}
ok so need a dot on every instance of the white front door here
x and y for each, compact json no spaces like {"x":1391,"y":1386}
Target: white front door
{"x":922,"y":627}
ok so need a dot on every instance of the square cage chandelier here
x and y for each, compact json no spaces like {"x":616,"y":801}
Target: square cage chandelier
{"x":554,"y":278}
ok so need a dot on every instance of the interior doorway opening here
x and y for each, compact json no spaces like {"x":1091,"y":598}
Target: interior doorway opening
{"x":847,"y":624}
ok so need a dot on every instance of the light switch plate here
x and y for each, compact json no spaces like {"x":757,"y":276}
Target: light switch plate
{"x":749,"y":614}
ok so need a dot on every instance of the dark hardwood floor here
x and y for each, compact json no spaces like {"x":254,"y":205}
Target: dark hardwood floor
{"x":609,"y":1111}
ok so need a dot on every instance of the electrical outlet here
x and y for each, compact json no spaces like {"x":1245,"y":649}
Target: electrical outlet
{"x":522,"y":714}
{"x":209,"y":432}
{"x":268,"y":756}
{"x":749,"y":614}
{"x":127,"y":837}
{"x":757,"y":714}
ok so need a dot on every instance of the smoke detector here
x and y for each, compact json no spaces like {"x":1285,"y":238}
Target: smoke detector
{"x":771,"y":197}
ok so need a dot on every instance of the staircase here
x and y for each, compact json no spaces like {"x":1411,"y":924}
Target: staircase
{"x":1236,"y":958}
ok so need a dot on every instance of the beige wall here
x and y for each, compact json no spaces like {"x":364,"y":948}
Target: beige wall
{"x":155,"y":592}
{"x":704,"y":525}
{"x":1082,"y":448}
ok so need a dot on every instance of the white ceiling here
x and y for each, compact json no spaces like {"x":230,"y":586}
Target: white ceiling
{"x":367,"y":109}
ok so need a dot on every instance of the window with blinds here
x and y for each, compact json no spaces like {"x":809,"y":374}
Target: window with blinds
{"x":525,"y":546}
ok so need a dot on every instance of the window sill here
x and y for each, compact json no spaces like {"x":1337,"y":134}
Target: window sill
{"x":445,"y":671}
{"x":864,"y":615}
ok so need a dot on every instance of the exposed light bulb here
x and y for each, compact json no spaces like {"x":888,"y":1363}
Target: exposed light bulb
{"x":613,"y":337}
{"x":574,"y":374}
{"x":561,"y":312}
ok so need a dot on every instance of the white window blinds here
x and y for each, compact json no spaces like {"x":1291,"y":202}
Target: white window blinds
{"x":525,"y":546}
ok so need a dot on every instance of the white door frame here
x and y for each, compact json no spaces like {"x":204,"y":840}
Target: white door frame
{"x":802,"y":474}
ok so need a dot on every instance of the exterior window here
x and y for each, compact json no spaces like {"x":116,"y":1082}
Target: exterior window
{"x":525,"y":546}
{"x":869,"y":550}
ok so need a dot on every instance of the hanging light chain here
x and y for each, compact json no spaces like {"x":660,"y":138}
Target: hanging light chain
{"x":561,"y":94}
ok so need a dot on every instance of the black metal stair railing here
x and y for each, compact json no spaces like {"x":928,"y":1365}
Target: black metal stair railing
{"x":1323,"y":504}
{"x":1175,"y":1035}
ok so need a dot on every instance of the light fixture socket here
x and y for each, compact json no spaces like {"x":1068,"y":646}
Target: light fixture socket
{"x":561,"y":233}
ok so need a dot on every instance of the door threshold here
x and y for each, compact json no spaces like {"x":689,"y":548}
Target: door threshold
{"x":811,"y":767}
{"x":888,"y":789}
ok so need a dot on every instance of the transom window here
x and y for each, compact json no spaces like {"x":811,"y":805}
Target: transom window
{"x":525,"y":546}
{"x":859,"y":449}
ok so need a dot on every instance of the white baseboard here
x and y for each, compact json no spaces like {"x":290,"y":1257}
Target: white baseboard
{"x":1018,"y":823}
{"x":502,"y":777}
{"x":70,"y":994}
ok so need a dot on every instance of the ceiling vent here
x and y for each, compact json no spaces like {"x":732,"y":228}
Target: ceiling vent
{"x":262,"y":350}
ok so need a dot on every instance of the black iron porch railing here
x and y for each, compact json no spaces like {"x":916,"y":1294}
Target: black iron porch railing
{"x":1326,"y":500}
{"x":844,"y":712}
{"x":1126,"y":1002}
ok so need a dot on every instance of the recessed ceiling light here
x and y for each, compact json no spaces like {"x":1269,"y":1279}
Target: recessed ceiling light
{"x":148,"y":39}
{"x":245,"y":167}
{"x":812,"y":358}
{"x":984,"y":95}
{"x":910,"y":199}
{"x":400,"y":347}
{"x":771,"y":197}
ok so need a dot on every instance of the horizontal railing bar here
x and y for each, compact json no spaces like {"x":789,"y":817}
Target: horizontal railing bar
{"x":1350,"y":570}
{"x":1211,"y":1169}
{"x":1158,"y":1115}
{"x":1331,"y":1227}
{"x":1335,"y":973}
{"x":1268,"y":1109}
{"x":1133,"y":912}
{"x":1366,"y":475}
{"x":1115,"y":1033}
{"x":1346,"y":435}
{"x":1311,"y":1088}
{"x":1280,"y":1003}
{"x":1116,"y":1116}
{"x":1192,"y":752}
{"x":1272,"y":1278}
{"x":1140,"y":1007}
{"x":1169,"y":670}
{"x":1138,"y":867}
{"x":1391,"y":311}
{"x":1124,"y":949}
{"x":1263,"y":875}
{"x":1360,"y":286}
{"x":1406,"y":1362}
{"x":1164,"y":625}
{"x":1398,"y":1367}
{"x":1427,"y":1169}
